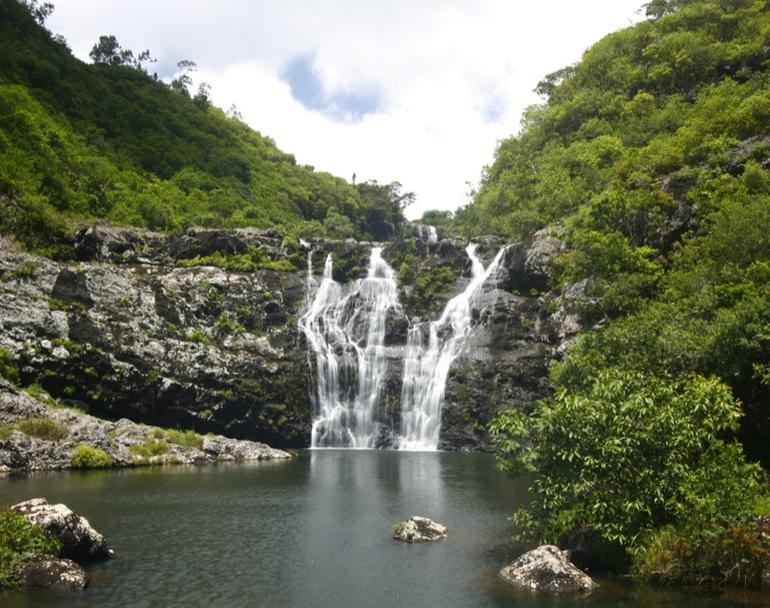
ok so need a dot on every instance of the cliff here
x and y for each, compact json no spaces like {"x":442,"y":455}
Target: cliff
{"x":145,"y":327}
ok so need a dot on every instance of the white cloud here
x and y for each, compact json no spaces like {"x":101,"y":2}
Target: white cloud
{"x":453,"y":77}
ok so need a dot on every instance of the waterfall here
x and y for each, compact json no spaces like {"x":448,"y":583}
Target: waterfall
{"x":426,"y":366}
{"x":345,"y":330}
{"x":427,"y":233}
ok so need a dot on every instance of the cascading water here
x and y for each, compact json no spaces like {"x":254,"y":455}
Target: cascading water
{"x":427,"y":233}
{"x":345,"y":330}
{"x":426,"y":366}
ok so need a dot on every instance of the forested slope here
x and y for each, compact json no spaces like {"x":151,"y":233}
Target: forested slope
{"x":81,"y":141}
{"x":651,"y":158}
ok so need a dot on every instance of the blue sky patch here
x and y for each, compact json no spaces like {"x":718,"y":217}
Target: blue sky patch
{"x":307,"y":88}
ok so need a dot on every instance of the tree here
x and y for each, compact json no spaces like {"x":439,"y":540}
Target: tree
{"x":632,"y":453}
{"x":202,"y":98}
{"x":181,"y":83}
{"x":39,"y":10}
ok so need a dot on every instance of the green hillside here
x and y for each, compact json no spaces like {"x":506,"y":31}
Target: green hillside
{"x":80,"y":141}
{"x":651,"y":157}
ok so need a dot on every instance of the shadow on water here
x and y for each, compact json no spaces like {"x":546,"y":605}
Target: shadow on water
{"x":312,"y":532}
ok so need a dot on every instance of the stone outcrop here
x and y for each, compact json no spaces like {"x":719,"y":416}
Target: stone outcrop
{"x":125,"y":442}
{"x":140,"y":328}
{"x":547,"y":569}
{"x":79,"y":541}
{"x":50,"y":572}
{"x":418,"y":529}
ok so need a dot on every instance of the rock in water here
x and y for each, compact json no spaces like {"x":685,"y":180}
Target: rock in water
{"x":418,"y":530}
{"x":547,"y":568}
{"x":79,"y":540}
{"x":52,"y":572}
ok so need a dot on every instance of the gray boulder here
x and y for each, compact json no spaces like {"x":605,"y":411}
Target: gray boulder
{"x":547,"y":568}
{"x":79,"y":540}
{"x":418,"y":529}
{"x":51,"y":572}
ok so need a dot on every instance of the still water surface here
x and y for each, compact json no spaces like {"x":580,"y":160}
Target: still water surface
{"x":312,"y":532}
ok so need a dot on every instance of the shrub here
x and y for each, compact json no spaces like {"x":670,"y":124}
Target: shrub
{"x":8,"y":369}
{"x":19,"y":538}
{"x":186,"y":439}
{"x":89,"y":457}
{"x":5,"y":431}
{"x":729,"y":555}
{"x":25,"y":270}
{"x":43,"y":428}
{"x":229,"y":326}
{"x":149,"y":448}
{"x":633,"y":453}
{"x":198,"y":336}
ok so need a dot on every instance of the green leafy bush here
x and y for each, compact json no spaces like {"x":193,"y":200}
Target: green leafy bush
{"x":8,"y":369}
{"x":18,"y":539}
{"x":198,"y":336}
{"x":89,"y":457}
{"x":632,"y":453}
{"x":43,"y":428}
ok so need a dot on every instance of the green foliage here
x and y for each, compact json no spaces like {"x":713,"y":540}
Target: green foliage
{"x":729,"y":555}
{"x":8,"y":368}
{"x":150,"y":447}
{"x":6,"y":430}
{"x":256,"y":259}
{"x":431,"y":284}
{"x":186,"y":439}
{"x":89,"y":457}
{"x":25,"y":270}
{"x":198,"y":336}
{"x":109,"y":141}
{"x":631,"y":453}
{"x":43,"y":428}
{"x":227,"y":325}
{"x":18,"y":539}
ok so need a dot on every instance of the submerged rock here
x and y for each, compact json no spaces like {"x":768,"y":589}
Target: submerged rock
{"x":547,"y":568}
{"x":51,"y":572}
{"x":79,"y":540}
{"x":418,"y":529}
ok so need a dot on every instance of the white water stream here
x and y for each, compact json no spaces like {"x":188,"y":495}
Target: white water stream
{"x":345,"y":330}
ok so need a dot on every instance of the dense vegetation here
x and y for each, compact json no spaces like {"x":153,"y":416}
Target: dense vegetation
{"x":18,"y":540}
{"x":107,"y":140}
{"x":652,"y":153}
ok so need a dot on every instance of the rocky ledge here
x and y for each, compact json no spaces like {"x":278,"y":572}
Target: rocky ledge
{"x":79,"y":543}
{"x":418,"y":529}
{"x":39,"y":436}
{"x":548,"y":569}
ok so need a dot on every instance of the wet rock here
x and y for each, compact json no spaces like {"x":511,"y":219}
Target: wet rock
{"x":79,"y":540}
{"x":548,"y":569}
{"x":418,"y":529}
{"x":51,"y":572}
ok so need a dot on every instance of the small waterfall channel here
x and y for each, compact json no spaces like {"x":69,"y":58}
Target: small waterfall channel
{"x":426,"y":365}
{"x":345,"y":330}
{"x":344,"y":326}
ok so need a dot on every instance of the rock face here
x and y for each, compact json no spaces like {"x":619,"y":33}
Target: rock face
{"x":548,"y":569}
{"x":141,"y":328}
{"x":127,"y":443}
{"x":51,"y":572}
{"x":418,"y":529}
{"x":80,"y":542}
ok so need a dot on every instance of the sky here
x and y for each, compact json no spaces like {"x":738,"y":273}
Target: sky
{"x":418,"y":91}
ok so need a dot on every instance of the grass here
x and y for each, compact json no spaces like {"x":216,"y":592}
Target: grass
{"x":149,"y":448}
{"x":5,"y":431}
{"x":43,"y":428}
{"x":90,"y":457}
{"x":198,"y":336}
{"x":186,"y":439}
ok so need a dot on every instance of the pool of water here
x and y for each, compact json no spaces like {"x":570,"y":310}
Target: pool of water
{"x":312,"y":532}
